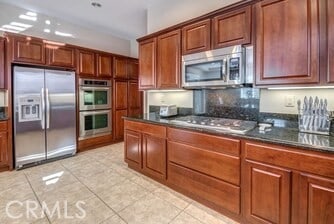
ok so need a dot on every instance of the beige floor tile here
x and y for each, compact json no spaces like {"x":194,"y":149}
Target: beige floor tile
{"x":174,"y":198}
{"x":93,"y":211}
{"x":86,"y":169}
{"x":52,"y":182}
{"x":207,"y":215}
{"x":149,"y":185}
{"x":124,"y":170}
{"x":114,"y":220}
{"x":75,"y":161}
{"x":149,"y":210}
{"x":26,"y":211}
{"x":11,"y":178}
{"x":122,"y":195}
{"x":20,"y":193}
{"x":184,"y":218}
{"x":102,"y":181}
{"x":70,"y":194}
{"x":43,"y":170}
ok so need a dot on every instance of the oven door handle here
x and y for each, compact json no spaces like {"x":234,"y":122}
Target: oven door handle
{"x":94,"y":88}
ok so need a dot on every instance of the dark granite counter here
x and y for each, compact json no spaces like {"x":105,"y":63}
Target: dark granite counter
{"x":281,"y":136}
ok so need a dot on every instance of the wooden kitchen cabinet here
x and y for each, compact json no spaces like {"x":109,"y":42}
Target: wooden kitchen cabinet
{"x":287,"y":42}
{"x":232,"y":28}
{"x":135,"y":99}
{"x":2,"y":63}
{"x":152,"y":153}
{"x":169,"y":58}
{"x":132,"y":146}
{"x":154,"y":156}
{"x":120,"y":68}
{"x":121,"y":94}
{"x":330,"y":40}
{"x":3,"y":144}
{"x":62,"y":56}
{"x":132,"y":69}
{"x":104,"y":65}
{"x":119,"y":124}
{"x":316,"y":199}
{"x":86,"y":63}
{"x":147,"y":63}
{"x":196,"y":37}
{"x":205,"y":167}
{"x":28,"y":50}
{"x":267,"y":193}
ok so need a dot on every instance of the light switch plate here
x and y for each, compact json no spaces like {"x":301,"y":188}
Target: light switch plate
{"x":290,"y":101}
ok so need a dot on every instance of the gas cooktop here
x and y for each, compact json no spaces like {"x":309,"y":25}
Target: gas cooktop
{"x":218,"y":124}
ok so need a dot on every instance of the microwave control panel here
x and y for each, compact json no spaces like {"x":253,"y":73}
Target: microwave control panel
{"x":234,"y":68}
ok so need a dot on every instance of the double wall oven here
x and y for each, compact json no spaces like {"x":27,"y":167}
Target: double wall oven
{"x":95,"y":107}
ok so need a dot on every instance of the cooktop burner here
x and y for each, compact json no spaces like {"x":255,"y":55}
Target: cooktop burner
{"x":218,"y":124}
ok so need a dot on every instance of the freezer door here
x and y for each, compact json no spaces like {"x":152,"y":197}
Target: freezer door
{"x":29,"y":119}
{"x":60,"y":113}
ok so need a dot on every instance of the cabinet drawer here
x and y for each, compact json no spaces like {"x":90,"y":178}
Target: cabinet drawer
{"x":3,"y":126}
{"x":290,"y":158}
{"x":219,"y":193}
{"x":218,"y":144}
{"x":155,"y":130}
{"x":214,"y":164}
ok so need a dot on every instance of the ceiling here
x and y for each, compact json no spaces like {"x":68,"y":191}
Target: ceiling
{"x":125,"y":18}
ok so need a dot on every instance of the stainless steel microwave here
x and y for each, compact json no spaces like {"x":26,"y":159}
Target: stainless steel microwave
{"x":220,"y":67}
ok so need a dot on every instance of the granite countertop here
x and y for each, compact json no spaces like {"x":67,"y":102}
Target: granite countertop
{"x":276,"y":135}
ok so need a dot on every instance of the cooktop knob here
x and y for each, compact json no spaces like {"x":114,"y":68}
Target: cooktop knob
{"x":202,"y":122}
{"x":212,"y":124}
{"x":194,"y":122}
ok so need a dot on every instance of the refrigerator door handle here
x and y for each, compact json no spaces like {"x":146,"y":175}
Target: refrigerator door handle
{"x":43,"y":108}
{"x":47,"y":100}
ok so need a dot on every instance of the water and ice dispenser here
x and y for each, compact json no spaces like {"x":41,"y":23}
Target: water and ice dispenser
{"x":29,"y":108}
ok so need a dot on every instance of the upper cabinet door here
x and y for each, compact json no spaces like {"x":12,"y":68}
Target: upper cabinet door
{"x":232,"y":28}
{"x":120,"y":68}
{"x":104,"y":65}
{"x":2,"y":63}
{"x":86,"y":65}
{"x":29,"y":50}
{"x":196,"y":37}
{"x":168,"y":63}
{"x":61,"y":56}
{"x":330,"y":27}
{"x":147,"y":62}
{"x":132,"y":69}
{"x":287,"y":42}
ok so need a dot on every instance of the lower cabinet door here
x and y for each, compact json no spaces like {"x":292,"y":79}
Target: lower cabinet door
{"x":119,"y":124}
{"x":3,"y":148}
{"x":316,"y":200}
{"x":267,"y":193}
{"x":154,"y":156}
{"x":132,"y":154}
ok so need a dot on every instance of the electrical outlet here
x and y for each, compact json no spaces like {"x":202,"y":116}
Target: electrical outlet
{"x":290,"y":101}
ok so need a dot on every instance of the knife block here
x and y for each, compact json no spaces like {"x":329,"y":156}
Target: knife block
{"x":317,"y":124}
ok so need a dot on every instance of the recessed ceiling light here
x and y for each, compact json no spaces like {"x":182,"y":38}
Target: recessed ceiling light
{"x":63,"y":34}
{"x":48,"y":22}
{"x":96,"y":4}
{"x":47,"y":30}
{"x":20,"y":24}
{"x":13,"y":27}
{"x":33,"y":14}
{"x":32,"y":18}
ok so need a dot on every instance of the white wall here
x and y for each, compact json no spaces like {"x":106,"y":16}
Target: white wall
{"x":164,"y":14}
{"x":3,"y":98}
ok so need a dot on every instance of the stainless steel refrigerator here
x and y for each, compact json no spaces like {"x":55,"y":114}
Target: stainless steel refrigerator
{"x":44,"y":114}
